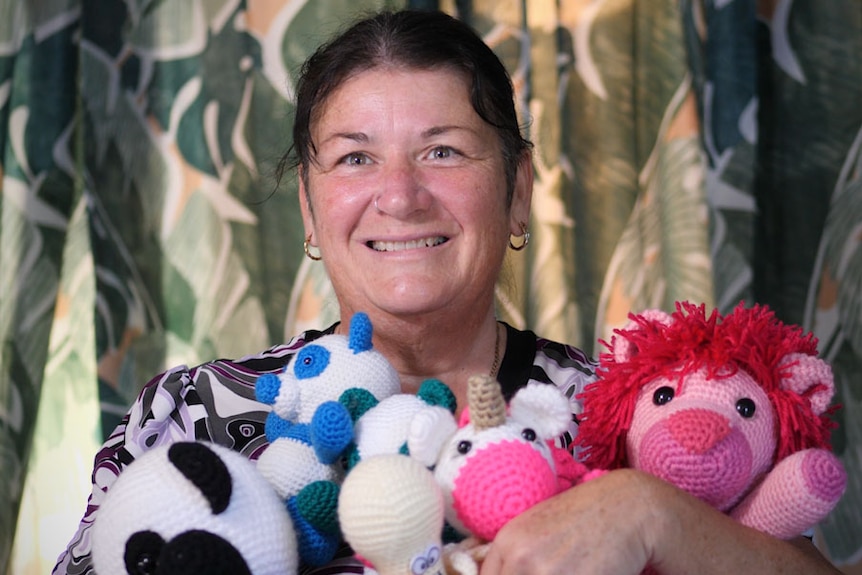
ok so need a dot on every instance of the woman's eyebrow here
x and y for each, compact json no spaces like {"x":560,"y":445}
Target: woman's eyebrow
{"x":363,"y":138}
{"x":437,"y":130}
{"x":360,"y":137}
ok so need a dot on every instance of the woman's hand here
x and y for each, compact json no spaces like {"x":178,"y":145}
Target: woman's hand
{"x":624,"y":521}
{"x":597,"y":527}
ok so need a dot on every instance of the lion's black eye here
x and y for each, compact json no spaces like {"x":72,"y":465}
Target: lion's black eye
{"x":662,"y":395}
{"x":528,"y":434}
{"x":464,"y":447}
{"x":746,"y":408}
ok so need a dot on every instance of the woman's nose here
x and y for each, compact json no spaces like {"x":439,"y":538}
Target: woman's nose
{"x":402,"y":190}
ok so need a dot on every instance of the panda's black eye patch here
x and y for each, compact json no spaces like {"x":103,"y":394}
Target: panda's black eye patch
{"x":202,"y":552}
{"x":205,"y":470}
{"x":142,"y":553}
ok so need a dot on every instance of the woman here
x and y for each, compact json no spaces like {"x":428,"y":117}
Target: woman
{"x":414,"y":179}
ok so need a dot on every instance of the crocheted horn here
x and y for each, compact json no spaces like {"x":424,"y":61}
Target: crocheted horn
{"x":486,"y":402}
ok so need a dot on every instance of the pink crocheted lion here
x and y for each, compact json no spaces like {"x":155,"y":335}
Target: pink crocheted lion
{"x":734,"y":410}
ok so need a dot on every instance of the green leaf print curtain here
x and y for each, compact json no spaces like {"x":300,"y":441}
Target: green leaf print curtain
{"x":708,"y":150}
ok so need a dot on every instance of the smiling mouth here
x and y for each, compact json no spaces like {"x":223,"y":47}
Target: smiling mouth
{"x":379,"y":246}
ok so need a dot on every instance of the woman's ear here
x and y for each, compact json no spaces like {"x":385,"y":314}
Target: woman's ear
{"x":305,"y":204}
{"x":519,"y":211}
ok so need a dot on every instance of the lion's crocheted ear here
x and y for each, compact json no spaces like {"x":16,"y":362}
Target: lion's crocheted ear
{"x":810,"y":377}
{"x":623,"y":348}
{"x":802,"y":403}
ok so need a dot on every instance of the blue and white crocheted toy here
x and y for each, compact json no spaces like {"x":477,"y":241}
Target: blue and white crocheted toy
{"x":310,"y":431}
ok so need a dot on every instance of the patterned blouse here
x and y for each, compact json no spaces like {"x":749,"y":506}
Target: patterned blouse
{"x":216,"y":402}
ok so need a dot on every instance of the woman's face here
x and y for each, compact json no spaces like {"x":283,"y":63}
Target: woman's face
{"x":408,"y":194}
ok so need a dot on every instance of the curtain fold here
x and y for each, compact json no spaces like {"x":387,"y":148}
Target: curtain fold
{"x":698,"y":150}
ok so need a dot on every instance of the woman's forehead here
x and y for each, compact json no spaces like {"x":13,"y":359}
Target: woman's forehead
{"x":426,"y":98}
{"x":449,"y":82}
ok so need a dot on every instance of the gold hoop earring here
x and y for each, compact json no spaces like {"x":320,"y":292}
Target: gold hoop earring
{"x":307,"y":244}
{"x":525,"y":234}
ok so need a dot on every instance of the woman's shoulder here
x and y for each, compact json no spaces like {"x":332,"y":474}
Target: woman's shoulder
{"x":534,"y":359}
{"x":243,"y":370}
{"x":270,"y":359}
{"x":566,"y":366}
{"x":213,"y":401}
{"x":565,"y":355}
{"x":541,"y":359}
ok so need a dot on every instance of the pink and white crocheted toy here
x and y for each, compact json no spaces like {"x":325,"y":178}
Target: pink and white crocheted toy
{"x":732,"y":409}
{"x":502,"y":461}
{"x":495,"y":464}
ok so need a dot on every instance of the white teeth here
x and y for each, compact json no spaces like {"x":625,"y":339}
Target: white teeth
{"x":411,"y":245}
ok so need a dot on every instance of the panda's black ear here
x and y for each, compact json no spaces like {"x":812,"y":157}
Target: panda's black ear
{"x":205,"y":470}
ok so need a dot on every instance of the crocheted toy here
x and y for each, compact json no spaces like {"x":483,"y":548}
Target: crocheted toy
{"x":731,"y":409}
{"x":487,"y":471}
{"x":383,"y":427}
{"x":193,"y":507}
{"x":391,"y":513}
{"x":499,"y":462}
{"x":310,"y":431}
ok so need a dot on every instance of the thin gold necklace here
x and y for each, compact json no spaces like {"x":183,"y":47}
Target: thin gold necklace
{"x":496,"y":365}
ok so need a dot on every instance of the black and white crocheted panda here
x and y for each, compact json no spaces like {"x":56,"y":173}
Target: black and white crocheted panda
{"x":193,"y":507}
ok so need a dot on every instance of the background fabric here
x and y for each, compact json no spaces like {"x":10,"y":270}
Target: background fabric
{"x":708,"y":150}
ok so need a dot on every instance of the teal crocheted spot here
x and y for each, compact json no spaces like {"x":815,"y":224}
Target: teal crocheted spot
{"x":435,"y":392}
{"x":317,"y":503}
{"x":357,"y":400}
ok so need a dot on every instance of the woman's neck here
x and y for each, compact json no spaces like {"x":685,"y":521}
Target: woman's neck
{"x":450,"y":348}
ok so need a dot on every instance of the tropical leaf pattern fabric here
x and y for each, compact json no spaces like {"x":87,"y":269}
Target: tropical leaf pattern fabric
{"x":704,"y":150}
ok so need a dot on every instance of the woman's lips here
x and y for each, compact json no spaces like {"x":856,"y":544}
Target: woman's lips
{"x":386,"y":246}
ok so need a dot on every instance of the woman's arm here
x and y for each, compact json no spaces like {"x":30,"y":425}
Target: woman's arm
{"x":625,"y":520}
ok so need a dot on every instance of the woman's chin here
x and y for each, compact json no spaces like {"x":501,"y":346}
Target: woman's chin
{"x":421,"y":291}
{"x":413,"y":300}
{"x":411,"y":306}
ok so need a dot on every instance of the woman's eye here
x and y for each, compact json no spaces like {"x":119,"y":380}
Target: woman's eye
{"x":355,"y":159}
{"x":441,"y":153}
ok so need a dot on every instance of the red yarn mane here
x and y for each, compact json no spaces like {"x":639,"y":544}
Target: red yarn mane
{"x":751,"y":339}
